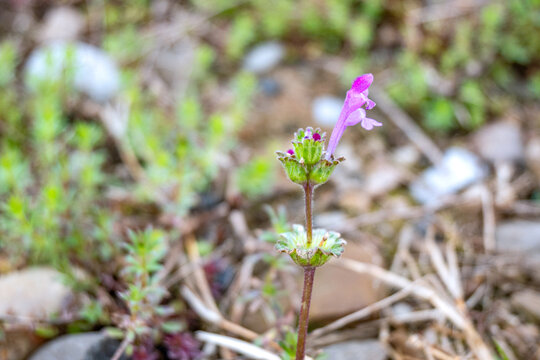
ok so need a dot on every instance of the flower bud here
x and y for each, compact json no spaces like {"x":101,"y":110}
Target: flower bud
{"x":309,"y":145}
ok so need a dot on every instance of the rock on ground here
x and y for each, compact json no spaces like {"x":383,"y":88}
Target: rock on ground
{"x":264,"y":57}
{"x":500,"y":142}
{"x":61,"y":23}
{"x":458,"y":169}
{"x":356,"y":350}
{"x":532,"y":155}
{"x":339,"y":291}
{"x":383,"y":178}
{"x":326,"y":110}
{"x":527,"y":302}
{"x":34,"y":293}
{"x":94,"y":72}
{"x":27,"y":295}
{"x":518,"y":236}
{"x":85,"y":346}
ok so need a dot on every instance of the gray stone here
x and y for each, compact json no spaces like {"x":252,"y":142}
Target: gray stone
{"x":518,"y":236}
{"x":500,"y":142}
{"x":61,"y":23}
{"x":175,"y":64}
{"x":328,"y":219}
{"x":68,"y":347}
{"x":527,"y":302}
{"x":458,"y":169}
{"x":532,"y":155}
{"x":85,"y":346}
{"x":326,"y":110}
{"x":356,"y":350}
{"x":264,"y":57}
{"x":94,"y":72}
{"x":269,"y":86}
{"x":382,"y":178}
{"x":406,"y":155}
{"x":332,"y":298}
{"x":33,"y":294}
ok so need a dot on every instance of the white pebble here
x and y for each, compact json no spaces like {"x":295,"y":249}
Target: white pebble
{"x":458,"y":169}
{"x":264,"y":57}
{"x":326,"y":110}
{"x":95,"y":73}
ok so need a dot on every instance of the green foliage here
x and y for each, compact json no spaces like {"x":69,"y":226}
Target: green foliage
{"x":125,"y":44}
{"x":500,"y":351}
{"x":93,"y":313}
{"x":279,"y":222}
{"x":241,"y":35}
{"x":256,"y":177}
{"x":534,"y":84}
{"x":144,"y":293}
{"x":62,"y":183}
{"x":439,"y":115}
{"x":410,"y":89}
{"x":8,"y":58}
{"x":288,"y":344}
{"x":145,"y":252}
{"x":361,"y":32}
{"x":275,"y":16}
{"x":472,"y":96}
{"x":338,"y":14}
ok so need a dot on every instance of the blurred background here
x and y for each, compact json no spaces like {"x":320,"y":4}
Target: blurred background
{"x":139,"y":182}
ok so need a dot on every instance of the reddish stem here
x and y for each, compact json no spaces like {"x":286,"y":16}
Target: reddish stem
{"x":309,"y":276}
{"x":308,"y":190}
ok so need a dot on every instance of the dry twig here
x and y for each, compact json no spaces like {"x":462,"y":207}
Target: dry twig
{"x":451,"y":311}
{"x":242,"y":347}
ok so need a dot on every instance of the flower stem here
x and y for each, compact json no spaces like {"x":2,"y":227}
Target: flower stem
{"x":308,"y":190}
{"x":309,"y":276}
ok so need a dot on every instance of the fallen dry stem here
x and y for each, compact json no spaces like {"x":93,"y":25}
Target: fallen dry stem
{"x":450,"y":311}
{"x":198,"y":273}
{"x":215,"y":318}
{"x":249,"y":350}
{"x":360,"y":314}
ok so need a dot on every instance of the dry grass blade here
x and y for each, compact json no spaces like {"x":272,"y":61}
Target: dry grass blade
{"x":249,"y":350}
{"x":200,"y":277}
{"x":449,"y":278}
{"x":360,"y":314}
{"x":451,"y":311}
{"x":217,"y":319}
{"x":488,"y":214}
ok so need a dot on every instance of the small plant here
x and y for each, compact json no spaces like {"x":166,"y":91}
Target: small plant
{"x":144,"y":293}
{"x":309,"y":164}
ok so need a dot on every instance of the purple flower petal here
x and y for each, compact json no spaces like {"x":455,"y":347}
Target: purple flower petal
{"x":290,"y":152}
{"x":370,"y":104}
{"x":317,"y":137}
{"x":353,"y":112}
{"x":362,"y":83}
{"x":368,"y":123}
{"x":355,"y":117}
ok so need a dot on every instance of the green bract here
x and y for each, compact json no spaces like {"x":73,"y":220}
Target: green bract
{"x":324,"y":244}
{"x":322,"y":171}
{"x":294,"y":169}
{"x":307,"y":161}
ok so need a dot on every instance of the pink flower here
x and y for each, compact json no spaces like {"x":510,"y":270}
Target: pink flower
{"x":353,"y":112}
